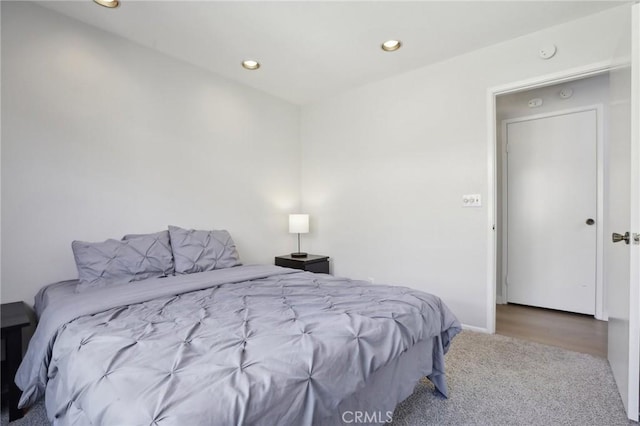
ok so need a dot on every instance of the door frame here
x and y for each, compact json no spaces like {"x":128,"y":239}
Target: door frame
{"x":492,"y":92}
{"x":600,"y":309}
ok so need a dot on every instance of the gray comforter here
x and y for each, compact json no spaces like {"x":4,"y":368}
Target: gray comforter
{"x":246,"y":345}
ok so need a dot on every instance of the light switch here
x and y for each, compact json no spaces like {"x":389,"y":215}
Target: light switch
{"x":471,"y":200}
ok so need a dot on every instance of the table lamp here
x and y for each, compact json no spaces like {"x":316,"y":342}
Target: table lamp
{"x":298,"y":224}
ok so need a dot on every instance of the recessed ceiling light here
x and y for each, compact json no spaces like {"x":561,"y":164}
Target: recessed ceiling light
{"x":108,"y":3}
{"x":251,"y":64}
{"x":391,"y":45}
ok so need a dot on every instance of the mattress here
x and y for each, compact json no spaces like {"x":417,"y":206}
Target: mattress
{"x":254,"y":344}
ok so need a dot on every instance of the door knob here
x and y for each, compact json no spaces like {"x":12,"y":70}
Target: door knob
{"x":616,"y":238}
{"x":590,"y":221}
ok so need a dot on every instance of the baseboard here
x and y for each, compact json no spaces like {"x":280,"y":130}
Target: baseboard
{"x":476,"y":329}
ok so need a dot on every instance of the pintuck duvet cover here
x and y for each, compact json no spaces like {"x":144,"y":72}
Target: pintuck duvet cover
{"x":254,"y":344}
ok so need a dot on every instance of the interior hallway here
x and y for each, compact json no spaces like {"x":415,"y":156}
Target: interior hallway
{"x":575,"y":332}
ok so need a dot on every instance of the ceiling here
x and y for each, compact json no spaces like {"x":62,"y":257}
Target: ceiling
{"x":312,"y":49}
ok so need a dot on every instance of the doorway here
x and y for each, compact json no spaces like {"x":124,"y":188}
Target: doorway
{"x":549,"y":207}
{"x":622,"y":261}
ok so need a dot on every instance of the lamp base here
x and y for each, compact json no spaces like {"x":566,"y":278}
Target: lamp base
{"x":299,"y":254}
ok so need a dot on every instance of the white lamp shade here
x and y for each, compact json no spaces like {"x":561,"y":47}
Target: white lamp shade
{"x":298,"y":223}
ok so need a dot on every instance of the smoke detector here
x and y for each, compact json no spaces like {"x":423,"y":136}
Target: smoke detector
{"x":566,"y":93}
{"x":548,"y":51}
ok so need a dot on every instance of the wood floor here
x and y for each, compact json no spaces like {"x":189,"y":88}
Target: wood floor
{"x":576,"y":332}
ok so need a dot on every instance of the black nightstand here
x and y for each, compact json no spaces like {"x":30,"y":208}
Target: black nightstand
{"x":14,"y":319}
{"x":311,"y":262}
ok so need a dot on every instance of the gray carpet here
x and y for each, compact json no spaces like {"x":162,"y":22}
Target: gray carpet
{"x":498,"y":380}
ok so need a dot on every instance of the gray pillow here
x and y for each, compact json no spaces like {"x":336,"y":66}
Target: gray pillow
{"x":162,"y":238}
{"x":164,"y":235}
{"x":120,"y":262}
{"x":197,"y":251}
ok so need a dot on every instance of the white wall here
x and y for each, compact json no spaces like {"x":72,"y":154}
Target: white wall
{"x":586,"y":92}
{"x":102,"y":137}
{"x":385,"y":166}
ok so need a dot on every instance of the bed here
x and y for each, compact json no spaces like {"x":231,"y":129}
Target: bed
{"x":246,"y":344}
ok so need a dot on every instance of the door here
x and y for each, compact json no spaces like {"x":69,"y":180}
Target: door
{"x":551,"y":211}
{"x":623,"y":215}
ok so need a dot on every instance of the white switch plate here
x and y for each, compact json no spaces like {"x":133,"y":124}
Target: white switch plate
{"x":471,"y":200}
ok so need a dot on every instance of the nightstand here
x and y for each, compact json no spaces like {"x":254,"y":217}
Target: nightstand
{"x":311,"y":263}
{"x":14,"y":319}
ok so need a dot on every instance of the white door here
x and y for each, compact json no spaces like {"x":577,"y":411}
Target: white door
{"x":622,"y":260}
{"x":552,"y":211}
